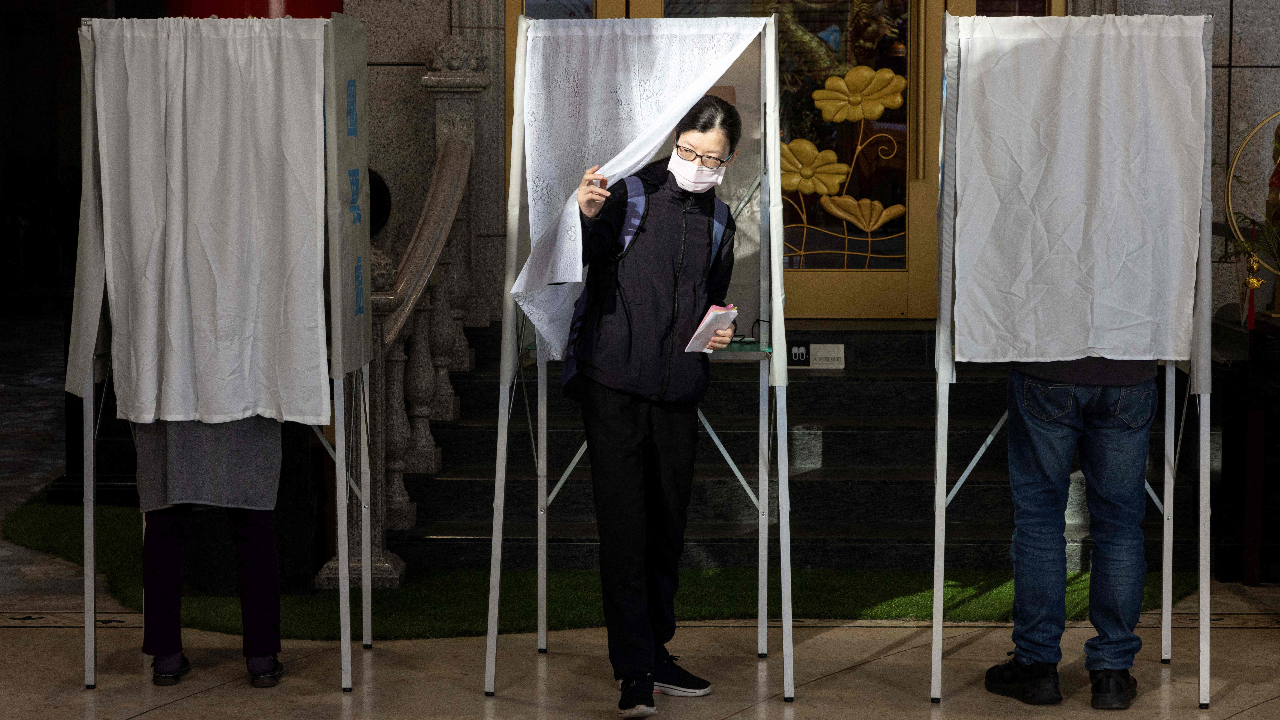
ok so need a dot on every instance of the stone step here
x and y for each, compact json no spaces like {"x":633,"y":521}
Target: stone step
{"x":869,"y":344}
{"x":710,"y":545}
{"x":828,"y":496}
{"x":815,"y":441}
{"x":979,"y":392}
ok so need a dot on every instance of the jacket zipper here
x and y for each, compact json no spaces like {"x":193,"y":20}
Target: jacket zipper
{"x":675,"y":301}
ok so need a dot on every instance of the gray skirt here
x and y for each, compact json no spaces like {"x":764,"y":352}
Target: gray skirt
{"x":233,"y":464}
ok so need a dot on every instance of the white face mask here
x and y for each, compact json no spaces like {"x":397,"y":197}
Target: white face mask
{"x":692,"y":176}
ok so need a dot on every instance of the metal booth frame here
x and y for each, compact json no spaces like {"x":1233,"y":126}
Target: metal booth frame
{"x":350,"y":332}
{"x":1199,"y":384}
{"x":773,"y":373}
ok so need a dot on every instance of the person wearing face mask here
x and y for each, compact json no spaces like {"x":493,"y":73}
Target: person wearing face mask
{"x":654,"y":268}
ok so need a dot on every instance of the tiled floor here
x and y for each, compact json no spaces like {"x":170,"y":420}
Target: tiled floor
{"x":876,"y":671}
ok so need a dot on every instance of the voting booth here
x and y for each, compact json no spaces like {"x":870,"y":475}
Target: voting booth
{"x":225,"y":165}
{"x":1074,"y":221}
{"x":611,"y":91}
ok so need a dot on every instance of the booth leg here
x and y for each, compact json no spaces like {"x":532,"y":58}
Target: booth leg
{"x":1166,"y":548}
{"x":939,"y":535}
{"x":344,"y":561}
{"x":542,"y":499}
{"x":366,"y":530}
{"x":1205,"y":512}
{"x":90,"y":566}
{"x":784,"y":546}
{"x":508,"y":351}
{"x":762,"y":496}
{"x":495,"y":552}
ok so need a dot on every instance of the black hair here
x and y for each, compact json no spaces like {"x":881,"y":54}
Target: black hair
{"x":711,"y":113}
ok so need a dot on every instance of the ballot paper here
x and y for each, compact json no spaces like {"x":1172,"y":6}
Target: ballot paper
{"x":717,"y":318}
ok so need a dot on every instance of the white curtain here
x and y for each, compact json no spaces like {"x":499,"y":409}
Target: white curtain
{"x":210,"y":135}
{"x":1079,"y":171}
{"x":605,"y":92}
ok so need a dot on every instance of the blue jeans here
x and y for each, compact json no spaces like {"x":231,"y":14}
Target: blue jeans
{"x":1111,"y":426}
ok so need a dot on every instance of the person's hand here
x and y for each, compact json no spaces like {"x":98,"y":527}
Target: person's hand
{"x":591,"y":196}
{"x":722,"y":338}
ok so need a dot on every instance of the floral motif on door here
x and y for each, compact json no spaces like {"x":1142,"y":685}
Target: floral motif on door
{"x":844,"y":126}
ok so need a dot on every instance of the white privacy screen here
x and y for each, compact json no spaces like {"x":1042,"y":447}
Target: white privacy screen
{"x":609,"y":93}
{"x":1079,"y":174}
{"x":210,"y":134}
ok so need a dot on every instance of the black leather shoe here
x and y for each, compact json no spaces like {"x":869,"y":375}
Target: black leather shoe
{"x":1112,"y":689}
{"x":268,"y":679}
{"x":1034,"y":683}
{"x":637,"y":698}
{"x":173,"y":678}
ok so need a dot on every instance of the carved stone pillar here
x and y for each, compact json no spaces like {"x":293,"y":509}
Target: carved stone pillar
{"x":482,"y":21}
{"x":445,"y":352}
{"x":402,"y":514}
{"x":387,"y":568}
{"x":456,"y":74}
{"x":421,"y":383}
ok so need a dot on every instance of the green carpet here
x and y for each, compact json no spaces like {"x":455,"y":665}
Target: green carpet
{"x":454,"y":603}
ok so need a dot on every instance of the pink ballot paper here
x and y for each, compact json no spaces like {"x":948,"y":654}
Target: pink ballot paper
{"x":718,"y":318}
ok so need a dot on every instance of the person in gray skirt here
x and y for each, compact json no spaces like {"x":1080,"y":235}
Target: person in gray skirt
{"x":233,"y":465}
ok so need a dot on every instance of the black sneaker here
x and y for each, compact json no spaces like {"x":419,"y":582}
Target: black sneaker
{"x":1034,"y":683}
{"x":270,"y":678}
{"x":1112,"y":689}
{"x":163,"y":679}
{"x":671,"y":679}
{"x":637,"y":698}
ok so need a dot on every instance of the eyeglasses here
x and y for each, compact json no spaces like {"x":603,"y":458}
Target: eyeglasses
{"x":710,"y":162}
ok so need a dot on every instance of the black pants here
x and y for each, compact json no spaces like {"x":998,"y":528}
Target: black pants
{"x":642,"y":456}
{"x":163,"y":546}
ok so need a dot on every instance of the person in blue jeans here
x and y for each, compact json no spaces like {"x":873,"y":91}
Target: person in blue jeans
{"x":1102,"y":408}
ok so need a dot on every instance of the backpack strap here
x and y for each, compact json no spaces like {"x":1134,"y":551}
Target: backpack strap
{"x":719,"y":221}
{"x":635,"y":211}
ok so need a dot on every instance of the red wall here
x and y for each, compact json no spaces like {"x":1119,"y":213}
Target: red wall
{"x":256,"y":8}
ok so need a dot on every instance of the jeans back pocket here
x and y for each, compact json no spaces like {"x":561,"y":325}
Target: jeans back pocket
{"x":1136,"y":405}
{"x":1047,"y":401}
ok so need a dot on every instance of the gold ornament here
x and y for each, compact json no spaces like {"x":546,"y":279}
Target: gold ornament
{"x":867,"y":215}
{"x":810,"y":171}
{"x":1254,"y":260}
{"x":862,"y":94}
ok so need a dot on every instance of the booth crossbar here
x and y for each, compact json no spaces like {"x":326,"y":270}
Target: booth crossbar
{"x":1170,"y":465}
{"x":343,"y":485}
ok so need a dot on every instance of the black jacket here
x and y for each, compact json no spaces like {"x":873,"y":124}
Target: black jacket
{"x":640,"y":307}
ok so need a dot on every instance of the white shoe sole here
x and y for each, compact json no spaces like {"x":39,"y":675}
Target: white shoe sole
{"x":638,"y":712}
{"x":675,"y":691}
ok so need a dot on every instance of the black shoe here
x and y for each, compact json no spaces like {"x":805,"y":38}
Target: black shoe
{"x":637,"y":698}
{"x":671,"y":679}
{"x":1034,"y":683}
{"x":271,"y":678}
{"x":173,"y":678}
{"x":1112,"y":689}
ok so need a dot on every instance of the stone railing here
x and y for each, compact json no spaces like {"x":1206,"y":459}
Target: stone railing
{"x":418,"y":318}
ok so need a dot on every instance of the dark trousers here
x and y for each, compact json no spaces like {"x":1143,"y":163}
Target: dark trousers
{"x":642,"y":456}
{"x":164,"y":543}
